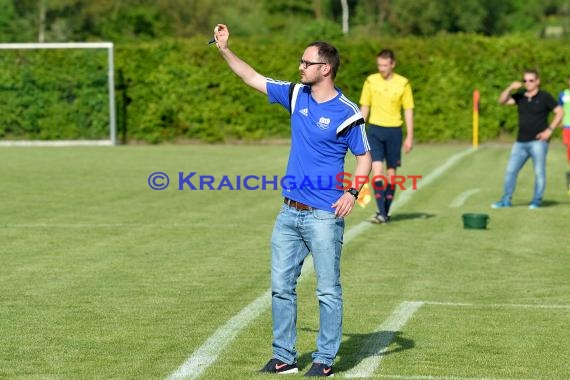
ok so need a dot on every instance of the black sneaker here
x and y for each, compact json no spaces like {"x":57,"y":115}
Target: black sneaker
{"x":320,"y":370}
{"x":279,"y":367}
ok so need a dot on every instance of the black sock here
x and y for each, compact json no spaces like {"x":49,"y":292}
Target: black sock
{"x":390,"y":193}
{"x":380,"y":195}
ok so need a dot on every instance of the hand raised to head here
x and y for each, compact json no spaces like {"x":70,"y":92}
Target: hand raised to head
{"x":516,"y":85}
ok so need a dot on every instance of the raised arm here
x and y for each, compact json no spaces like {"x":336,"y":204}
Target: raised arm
{"x":243,"y":70}
{"x":505,"y":97}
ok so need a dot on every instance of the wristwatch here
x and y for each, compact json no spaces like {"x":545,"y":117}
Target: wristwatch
{"x":353,"y":192}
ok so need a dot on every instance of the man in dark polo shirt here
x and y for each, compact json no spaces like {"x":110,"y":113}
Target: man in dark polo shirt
{"x":534,"y":133}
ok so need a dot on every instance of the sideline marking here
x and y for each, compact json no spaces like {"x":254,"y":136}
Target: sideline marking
{"x":429,"y":377}
{"x":373,"y":349}
{"x":119,"y":225}
{"x":405,"y":196}
{"x":459,"y":200}
{"x":498,"y":305}
{"x":209,"y":351}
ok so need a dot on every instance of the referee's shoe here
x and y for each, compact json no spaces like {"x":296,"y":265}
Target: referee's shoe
{"x":379,"y":219}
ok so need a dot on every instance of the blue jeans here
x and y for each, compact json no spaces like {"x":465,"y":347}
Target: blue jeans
{"x":296,"y":233}
{"x":520,"y":153}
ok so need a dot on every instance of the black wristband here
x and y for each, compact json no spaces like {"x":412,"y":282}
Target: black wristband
{"x":352,"y":191}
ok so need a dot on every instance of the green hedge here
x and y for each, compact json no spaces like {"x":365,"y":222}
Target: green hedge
{"x":184,"y":90}
{"x":53,"y":94}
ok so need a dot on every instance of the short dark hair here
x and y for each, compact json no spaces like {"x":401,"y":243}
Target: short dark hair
{"x":387,"y":53}
{"x":329,"y":54}
{"x":532,"y":71}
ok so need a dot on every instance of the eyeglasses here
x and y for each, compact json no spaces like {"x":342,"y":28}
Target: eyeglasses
{"x":309,"y":63}
{"x":528,"y":80}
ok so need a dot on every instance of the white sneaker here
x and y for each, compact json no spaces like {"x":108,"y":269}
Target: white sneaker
{"x":378,"y":219}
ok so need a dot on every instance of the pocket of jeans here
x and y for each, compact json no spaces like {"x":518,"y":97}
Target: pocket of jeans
{"x":323,"y":215}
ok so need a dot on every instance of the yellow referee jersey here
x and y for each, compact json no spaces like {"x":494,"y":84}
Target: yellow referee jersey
{"x":386,"y":98}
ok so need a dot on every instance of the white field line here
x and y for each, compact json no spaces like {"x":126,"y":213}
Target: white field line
{"x":118,"y":225}
{"x":373,"y":350}
{"x":209,"y":351}
{"x":429,"y":377}
{"x":56,"y":143}
{"x":405,"y":196}
{"x":498,"y":305}
{"x":461,"y":198}
{"x":462,"y":304}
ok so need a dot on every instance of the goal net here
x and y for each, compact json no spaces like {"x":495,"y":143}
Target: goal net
{"x":58,"y":94}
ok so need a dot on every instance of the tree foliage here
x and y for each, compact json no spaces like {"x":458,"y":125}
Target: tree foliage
{"x":128,"y":20}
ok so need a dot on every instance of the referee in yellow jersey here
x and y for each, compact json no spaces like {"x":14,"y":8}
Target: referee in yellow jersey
{"x":383,"y":97}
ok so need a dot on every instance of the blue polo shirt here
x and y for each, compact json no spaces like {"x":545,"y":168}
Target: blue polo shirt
{"x":321,"y":135}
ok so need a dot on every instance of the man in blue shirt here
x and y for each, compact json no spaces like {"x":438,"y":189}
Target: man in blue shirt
{"x":324,"y":126}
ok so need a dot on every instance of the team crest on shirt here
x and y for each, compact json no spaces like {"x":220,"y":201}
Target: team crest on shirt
{"x":323,"y":123}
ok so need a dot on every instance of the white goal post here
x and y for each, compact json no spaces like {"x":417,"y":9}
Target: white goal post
{"x":111,"y":83}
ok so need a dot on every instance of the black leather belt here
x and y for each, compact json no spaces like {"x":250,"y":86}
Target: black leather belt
{"x":297,"y":205}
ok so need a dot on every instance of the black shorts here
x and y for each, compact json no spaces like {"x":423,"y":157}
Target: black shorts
{"x":385,"y":144}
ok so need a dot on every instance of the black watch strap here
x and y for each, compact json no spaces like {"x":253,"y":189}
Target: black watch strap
{"x":353,"y":192}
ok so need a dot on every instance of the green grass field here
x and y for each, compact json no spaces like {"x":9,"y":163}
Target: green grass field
{"x":103,"y":278}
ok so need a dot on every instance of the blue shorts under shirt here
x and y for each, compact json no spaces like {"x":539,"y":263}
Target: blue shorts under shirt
{"x":321,"y":135}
